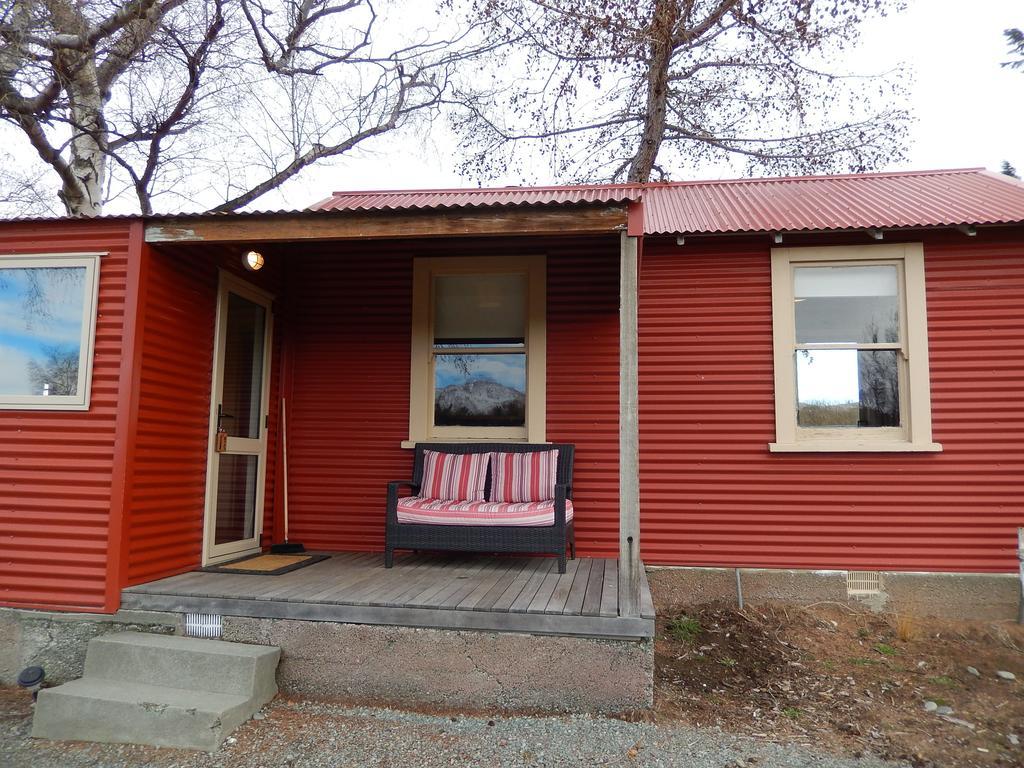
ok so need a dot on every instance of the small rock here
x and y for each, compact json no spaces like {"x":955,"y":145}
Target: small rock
{"x":974,"y":671}
{"x":922,"y":664}
{"x":930,"y":706}
{"x":259,"y":716}
{"x":944,"y":711}
{"x":232,"y":740}
{"x":1013,"y":739}
{"x":1004,"y":675}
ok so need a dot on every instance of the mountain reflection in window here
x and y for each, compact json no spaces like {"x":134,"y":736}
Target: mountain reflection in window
{"x":479,"y":390}
{"x":40,"y":330}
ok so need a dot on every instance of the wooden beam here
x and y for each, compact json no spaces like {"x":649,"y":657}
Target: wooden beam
{"x":363,"y":225}
{"x":630,"y":575}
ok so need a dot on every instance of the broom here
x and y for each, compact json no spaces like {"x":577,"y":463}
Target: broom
{"x":286,"y":547}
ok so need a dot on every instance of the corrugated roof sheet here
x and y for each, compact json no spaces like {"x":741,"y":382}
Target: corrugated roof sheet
{"x":968,"y":196}
{"x":931,"y":198}
{"x":906,"y":199}
{"x":477,"y":198}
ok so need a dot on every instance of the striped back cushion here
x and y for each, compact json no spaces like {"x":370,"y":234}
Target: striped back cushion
{"x":454,"y":476}
{"x":523,"y":477}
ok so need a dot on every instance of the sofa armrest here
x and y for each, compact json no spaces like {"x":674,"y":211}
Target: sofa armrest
{"x":393,"y":487}
{"x":561,"y":494}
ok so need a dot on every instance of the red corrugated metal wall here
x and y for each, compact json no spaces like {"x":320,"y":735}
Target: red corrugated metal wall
{"x":56,"y":467}
{"x":167,"y":474}
{"x":349,"y":310}
{"x":712,"y":494}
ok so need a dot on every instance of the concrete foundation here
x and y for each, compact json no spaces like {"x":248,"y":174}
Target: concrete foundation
{"x":449,"y":669}
{"x":58,"y":641}
{"x":980,"y":596}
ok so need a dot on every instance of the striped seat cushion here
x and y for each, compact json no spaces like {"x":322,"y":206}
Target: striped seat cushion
{"x":523,"y":477}
{"x":454,"y":476}
{"x":418,"y":509}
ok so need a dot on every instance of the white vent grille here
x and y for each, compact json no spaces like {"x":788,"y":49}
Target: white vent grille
{"x":863,"y":583}
{"x":204,"y":625}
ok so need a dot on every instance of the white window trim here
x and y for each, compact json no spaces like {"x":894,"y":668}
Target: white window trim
{"x":915,"y":435}
{"x":421,"y":368}
{"x":87,"y":340}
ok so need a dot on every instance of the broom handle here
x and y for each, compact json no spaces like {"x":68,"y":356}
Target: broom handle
{"x":284,"y":458}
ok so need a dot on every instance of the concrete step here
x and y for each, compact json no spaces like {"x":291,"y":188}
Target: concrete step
{"x":114,"y":711}
{"x":185,"y":662}
{"x":160,"y":690}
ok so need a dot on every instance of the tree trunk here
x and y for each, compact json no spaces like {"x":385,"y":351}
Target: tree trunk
{"x":89,"y":140}
{"x":666,"y":12}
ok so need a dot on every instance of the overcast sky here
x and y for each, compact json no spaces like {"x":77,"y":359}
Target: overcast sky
{"x":970,"y":111}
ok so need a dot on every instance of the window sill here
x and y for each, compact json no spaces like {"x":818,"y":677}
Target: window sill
{"x":823,"y":446}
{"x":413,"y":443}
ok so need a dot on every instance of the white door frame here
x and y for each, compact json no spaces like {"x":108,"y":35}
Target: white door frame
{"x":215,"y":553}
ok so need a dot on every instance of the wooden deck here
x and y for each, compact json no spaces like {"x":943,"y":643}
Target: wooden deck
{"x":440,"y":591}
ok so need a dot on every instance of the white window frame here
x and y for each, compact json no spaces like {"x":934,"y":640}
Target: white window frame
{"x":915,"y":431}
{"x":87,"y":340}
{"x":421,"y":374}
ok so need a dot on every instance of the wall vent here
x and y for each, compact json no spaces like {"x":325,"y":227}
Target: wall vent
{"x":204,"y":625}
{"x":863,"y":583}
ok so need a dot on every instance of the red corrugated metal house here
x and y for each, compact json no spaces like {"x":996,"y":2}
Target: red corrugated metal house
{"x":828,"y":373}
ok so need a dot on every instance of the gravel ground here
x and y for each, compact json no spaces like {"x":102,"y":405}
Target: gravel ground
{"x":301,"y":734}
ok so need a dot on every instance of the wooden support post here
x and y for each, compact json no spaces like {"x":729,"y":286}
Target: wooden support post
{"x":630,"y":577}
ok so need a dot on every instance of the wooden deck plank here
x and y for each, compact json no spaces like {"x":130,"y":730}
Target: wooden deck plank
{"x":273,"y":586}
{"x":547,"y":587}
{"x":317,"y":580}
{"x":610,"y":592}
{"x":176,"y":582}
{"x":574,"y":604}
{"x":359,"y":591}
{"x":560,"y":594}
{"x":525,"y":597}
{"x":337,"y":587}
{"x":455,"y":593}
{"x":485,"y":583}
{"x":592,"y":596}
{"x":446,"y":570}
{"x":522,"y":573}
{"x":427,"y":571}
{"x":534,"y":623}
{"x":449,"y":592}
{"x":526,"y":576}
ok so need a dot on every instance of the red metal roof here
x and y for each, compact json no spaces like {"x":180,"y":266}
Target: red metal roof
{"x":399,"y":199}
{"x":916,"y":199}
{"x":905,"y":199}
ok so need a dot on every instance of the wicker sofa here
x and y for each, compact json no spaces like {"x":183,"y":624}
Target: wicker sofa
{"x":553,"y":539}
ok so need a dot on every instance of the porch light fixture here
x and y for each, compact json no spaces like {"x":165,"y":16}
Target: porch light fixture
{"x":253,"y":261}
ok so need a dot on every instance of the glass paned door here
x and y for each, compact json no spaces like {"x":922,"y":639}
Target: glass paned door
{"x":238,"y":432}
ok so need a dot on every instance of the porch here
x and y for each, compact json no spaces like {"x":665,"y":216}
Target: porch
{"x":435,"y":591}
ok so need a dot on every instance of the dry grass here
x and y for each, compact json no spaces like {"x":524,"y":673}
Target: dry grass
{"x":907,"y":628}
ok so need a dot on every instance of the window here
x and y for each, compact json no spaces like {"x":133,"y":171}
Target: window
{"x":478,"y":349}
{"x":47,"y":324}
{"x":851,"y":349}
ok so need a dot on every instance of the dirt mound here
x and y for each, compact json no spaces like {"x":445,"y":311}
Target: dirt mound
{"x":845,"y":679}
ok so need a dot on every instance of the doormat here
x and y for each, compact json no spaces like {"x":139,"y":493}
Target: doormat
{"x":265,"y":565}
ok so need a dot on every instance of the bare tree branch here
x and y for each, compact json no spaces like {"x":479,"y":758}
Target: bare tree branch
{"x":619,"y":74}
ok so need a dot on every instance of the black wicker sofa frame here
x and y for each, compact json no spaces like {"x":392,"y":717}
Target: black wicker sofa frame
{"x":550,"y":539}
